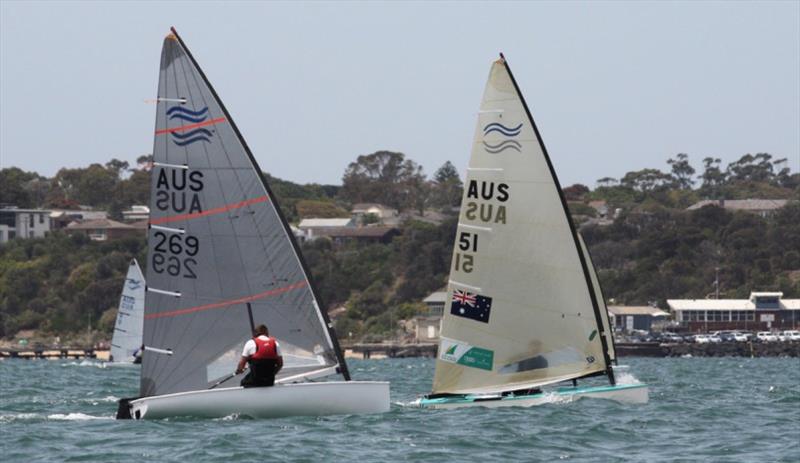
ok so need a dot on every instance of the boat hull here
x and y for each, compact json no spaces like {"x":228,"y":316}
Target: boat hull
{"x":626,"y":393}
{"x":302,"y":399}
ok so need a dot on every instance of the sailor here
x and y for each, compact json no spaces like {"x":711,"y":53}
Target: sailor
{"x":263,"y":355}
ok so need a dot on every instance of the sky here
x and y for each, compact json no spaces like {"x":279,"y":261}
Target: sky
{"x":613,"y":86}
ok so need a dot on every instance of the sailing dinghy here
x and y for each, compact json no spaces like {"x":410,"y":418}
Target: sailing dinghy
{"x":524,"y":308}
{"x":221,"y":258}
{"x":127,"y":339}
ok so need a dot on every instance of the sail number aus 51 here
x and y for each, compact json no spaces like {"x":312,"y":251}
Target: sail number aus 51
{"x":175,"y":254}
{"x":464,"y":259}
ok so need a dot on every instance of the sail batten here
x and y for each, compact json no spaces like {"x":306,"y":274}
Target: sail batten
{"x":219,"y":240}
{"x":521,"y":310}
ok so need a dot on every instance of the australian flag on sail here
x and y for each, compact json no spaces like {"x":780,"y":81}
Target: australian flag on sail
{"x":471,"y":305}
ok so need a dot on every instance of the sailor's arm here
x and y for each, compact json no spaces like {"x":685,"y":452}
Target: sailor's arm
{"x":242,"y":363}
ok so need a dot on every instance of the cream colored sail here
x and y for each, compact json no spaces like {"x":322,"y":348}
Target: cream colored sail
{"x":520,"y":311}
{"x":598,"y":292}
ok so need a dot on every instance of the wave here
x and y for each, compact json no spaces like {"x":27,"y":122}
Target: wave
{"x":192,"y":133}
{"x":77,"y":417}
{"x":502,"y":146}
{"x":191,"y":140}
{"x":189,"y":112}
{"x":498,"y":127}
{"x":85,"y":363}
{"x":184,"y":117}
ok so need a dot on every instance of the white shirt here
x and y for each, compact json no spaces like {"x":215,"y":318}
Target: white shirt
{"x":250,"y":346}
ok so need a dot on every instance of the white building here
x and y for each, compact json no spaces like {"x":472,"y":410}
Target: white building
{"x":762,"y":207}
{"x":136,"y":213}
{"x":762,"y":311}
{"x":23,"y":223}
{"x":315,"y":228}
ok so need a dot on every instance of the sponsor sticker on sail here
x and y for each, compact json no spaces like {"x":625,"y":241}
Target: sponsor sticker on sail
{"x":461,"y":353}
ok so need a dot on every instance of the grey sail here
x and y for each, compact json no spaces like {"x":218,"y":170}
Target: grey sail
{"x":217,"y":244}
{"x":127,"y":339}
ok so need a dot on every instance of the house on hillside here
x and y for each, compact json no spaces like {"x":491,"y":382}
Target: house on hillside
{"x":104,"y":229}
{"x":361,"y":234}
{"x":60,"y":218}
{"x":23,"y":223}
{"x":762,"y":207}
{"x":315,"y":228}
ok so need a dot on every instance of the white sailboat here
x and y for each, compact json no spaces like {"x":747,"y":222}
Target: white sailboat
{"x":127,"y":339}
{"x":221,"y":258}
{"x":524,"y":309}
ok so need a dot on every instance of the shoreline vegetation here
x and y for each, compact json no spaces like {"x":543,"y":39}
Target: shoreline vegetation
{"x":646,"y":244}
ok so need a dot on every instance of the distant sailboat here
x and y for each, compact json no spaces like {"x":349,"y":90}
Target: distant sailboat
{"x":126,"y":342}
{"x":524,"y":308}
{"x":221,"y":257}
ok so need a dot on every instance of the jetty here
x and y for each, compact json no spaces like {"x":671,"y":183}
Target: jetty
{"x":54,"y":353}
{"x":393,"y":349}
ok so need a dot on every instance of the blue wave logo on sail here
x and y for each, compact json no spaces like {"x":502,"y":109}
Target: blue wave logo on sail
{"x":183,"y":138}
{"x":184,"y":114}
{"x":187,"y":138}
{"x":501,"y":146}
{"x":134,"y":284}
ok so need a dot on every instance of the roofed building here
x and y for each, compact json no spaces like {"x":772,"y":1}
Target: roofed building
{"x":762,"y":207}
{"x":104,"y":229}
{"x":628,"y":318}
{"x":23,"y":223}
{"x":314,"y":228}
{"x":762,"y":311}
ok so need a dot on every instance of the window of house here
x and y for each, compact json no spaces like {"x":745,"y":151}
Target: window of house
{"x":30,"y":220}
{"x":41,"y":218}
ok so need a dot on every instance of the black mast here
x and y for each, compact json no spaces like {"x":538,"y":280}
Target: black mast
{"x":328,"y":326}
{"x":598,"y":318}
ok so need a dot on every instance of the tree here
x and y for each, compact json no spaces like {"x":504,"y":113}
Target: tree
{"x":712,"y":175}
{"x":447,"y":187}
{"x":606,"y":182}
{"x":117,"y":167}
{"x":646,"y":180}
{"x":385,"y":177}
{"x":575,"y":192}
{"x":682,"y":171}
{"x":12,"y":187}
{"x":754,"y":168}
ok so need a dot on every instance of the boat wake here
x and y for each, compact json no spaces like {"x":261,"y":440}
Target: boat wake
{"x":625,"y":378}
{"x":86,"y":363}
{"x":6,"y":418}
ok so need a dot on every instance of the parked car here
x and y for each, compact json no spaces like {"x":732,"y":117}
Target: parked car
{"x":702,"y":339}
{"x":714,"y":338}
{"x":791,"y":335}
{"x":742,"y":337}
{"x":766,"y":336}
{"x":727,"y":336}
{"x":671,"y":338}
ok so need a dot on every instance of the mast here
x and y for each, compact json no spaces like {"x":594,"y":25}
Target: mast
{"x":598,"y":319}
{"x":322,"y":313}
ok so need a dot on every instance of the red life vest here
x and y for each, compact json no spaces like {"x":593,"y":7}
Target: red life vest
{"x":265,"y":350}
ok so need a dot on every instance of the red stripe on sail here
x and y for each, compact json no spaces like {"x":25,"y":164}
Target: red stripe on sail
{"x":216,"y":210}
{"x":217,"y":305}
{"x":190,"y":126}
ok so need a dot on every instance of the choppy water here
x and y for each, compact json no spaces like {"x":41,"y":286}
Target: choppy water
{"x":701,"y":409}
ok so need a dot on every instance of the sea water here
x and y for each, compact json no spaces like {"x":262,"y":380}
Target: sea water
{"x":700,"y":409}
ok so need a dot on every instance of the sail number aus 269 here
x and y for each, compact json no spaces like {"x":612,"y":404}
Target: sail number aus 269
{"x":467,"y":242}
{"x":175,"y":255}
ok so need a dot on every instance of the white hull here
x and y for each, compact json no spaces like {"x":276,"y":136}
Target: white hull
{"x":633,"y":394}
{"x":309,"y":399}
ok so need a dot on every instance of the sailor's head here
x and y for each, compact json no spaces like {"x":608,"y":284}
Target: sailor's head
{"x":262,"y":329}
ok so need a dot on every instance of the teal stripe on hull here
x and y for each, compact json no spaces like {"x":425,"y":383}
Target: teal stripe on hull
{"x":563,"y":391}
